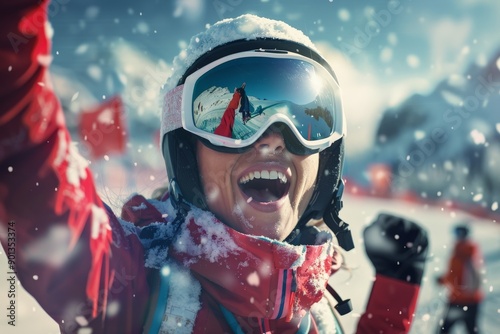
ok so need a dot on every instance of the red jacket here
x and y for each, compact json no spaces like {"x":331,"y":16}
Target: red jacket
{"x":463,"y":277}
{"x":225,"y":127}
{"x":96,"y":277}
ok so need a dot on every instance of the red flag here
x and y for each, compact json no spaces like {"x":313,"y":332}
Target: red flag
{"x":102,"y":128}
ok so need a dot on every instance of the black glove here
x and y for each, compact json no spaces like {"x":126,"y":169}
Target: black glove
{"x":397,"y":248}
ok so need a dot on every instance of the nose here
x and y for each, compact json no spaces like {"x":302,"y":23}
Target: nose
{"x":271,"y":142}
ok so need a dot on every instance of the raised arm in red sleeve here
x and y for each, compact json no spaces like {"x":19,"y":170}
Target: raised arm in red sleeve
{"x":64,"y":237}
{"x":397,"y":248}
{"x":390,"y":307}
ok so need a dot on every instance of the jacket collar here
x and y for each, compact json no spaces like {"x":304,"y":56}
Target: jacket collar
{"x":252,"y":276}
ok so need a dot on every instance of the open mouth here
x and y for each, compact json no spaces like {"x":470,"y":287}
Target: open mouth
{"x":264,"y":186}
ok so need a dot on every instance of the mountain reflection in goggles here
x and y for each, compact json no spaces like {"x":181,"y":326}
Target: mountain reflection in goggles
{"x":277,"y":89}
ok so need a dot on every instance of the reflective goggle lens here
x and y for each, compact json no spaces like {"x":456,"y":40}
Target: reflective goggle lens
{"x":293,"y":91}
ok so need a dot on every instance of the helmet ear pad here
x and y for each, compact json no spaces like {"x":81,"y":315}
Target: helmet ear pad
{"x":327,"y":183}
{"x":179,"y":152}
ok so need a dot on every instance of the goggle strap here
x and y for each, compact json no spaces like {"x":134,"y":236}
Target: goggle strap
{"x":172,"y":115}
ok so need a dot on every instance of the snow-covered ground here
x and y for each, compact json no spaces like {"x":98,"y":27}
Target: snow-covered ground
{"x":358,"y":212}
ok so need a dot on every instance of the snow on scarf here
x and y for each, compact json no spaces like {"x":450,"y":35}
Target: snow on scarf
{"x":251,"y":276}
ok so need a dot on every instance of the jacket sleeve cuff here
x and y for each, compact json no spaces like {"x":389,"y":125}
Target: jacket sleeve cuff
{"x":391,"y":306}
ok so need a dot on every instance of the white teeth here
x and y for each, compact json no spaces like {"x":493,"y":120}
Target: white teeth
{"x":264,"y":174}
{"x":282,"y":177}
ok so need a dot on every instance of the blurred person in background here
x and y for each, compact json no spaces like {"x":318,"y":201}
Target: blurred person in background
{"x":463,"y":280}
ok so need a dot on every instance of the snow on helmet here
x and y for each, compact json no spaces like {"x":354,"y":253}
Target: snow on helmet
{"x":229,"y":37}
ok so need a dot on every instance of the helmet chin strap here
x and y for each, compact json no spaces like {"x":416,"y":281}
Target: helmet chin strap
{"x":178,"y":202}
{"x":331,"y":218}
{"x":326,"y":201}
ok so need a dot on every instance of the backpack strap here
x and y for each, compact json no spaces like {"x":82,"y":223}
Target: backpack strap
{"x":231,"y":320}
{"x":160,"y":286}
{"x":175,"y":299}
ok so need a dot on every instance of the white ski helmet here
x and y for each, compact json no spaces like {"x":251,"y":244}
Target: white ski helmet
{"x":234,"y":39}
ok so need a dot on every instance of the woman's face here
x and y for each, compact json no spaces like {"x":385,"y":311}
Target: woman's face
{"x":263,"y":191}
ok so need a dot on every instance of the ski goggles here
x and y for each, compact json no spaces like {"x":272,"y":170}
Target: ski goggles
{"x":280,"y":88}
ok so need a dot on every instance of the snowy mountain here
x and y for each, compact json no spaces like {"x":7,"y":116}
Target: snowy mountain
{"x":445,"y":145}
{"x":213,"y":98}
